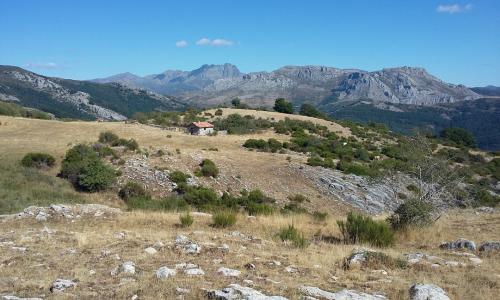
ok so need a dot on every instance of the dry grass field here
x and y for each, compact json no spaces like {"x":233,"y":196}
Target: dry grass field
{"x":239,"y":167}
{"x":73,"y":249}
{"x":87,"y":249}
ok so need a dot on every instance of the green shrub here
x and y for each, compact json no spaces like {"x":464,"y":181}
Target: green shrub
{"x":412,"y":212}
{"x":218,"y":112}
{"x":360,"y":229}
{"x":186,"y":220}
{"x":208,"y":168}
{"x":255,"y":209}
{"x":309,"y":110}
{"x":165,"y":204}
{"x":274,"y":145}
{"x":485,"y":198}
{"x":179,"y":177}
{"x":459,"y":136}
{"x":256,"y":144}
{"x":108,"y":137}
{"x":293,"y":235}
{"x":224,"y":218}
{"x":283,"y":106}
{"x":105,"y":151}
{"x":201,"y":197}
{"x":132,"y":189}
{"x":38,"y":160}
{"x":320,"y":216}
{"x":83,"y":168}
{"x":131,"y":144}
{"x":96,"y":176}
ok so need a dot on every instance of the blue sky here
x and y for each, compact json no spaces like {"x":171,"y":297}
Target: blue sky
{"x":456,"y":41}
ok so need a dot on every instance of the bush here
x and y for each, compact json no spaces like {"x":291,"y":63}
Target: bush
{"x":96,"y":176}
{"x":132,"y":189}
{"x":283,"y":106}
{"x":83,"y":168}
{"x":208,"y":168}
{"x":293,"y":235}
{"x":108,"y":137}
{"x":412,"y":212}
{"x":320,"y":216}
{"x":104,"y":151}
{"x":484,"y":198}
{"x":131,"y":144}
{"x":179,"y":177}
{"x":165,"y":204}
{"x":360,"y":229}
{"x":309,"y":110}
{"x":38,"y":160}
{"x":218,"y":112}
{"x":459,"y":136}
{"x":186,"y":220}
{"x":224,"y":218}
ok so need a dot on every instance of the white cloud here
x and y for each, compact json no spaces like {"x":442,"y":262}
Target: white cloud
{"x":214,"y":42}
{"x":47,"y":65}
{"x":181,"y":44}
{"x":453,"y":8}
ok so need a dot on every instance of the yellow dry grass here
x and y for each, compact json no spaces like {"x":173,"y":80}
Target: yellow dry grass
{"x":271,"y":115}
{"x":240,"y":168}
{"x":48,"y":257}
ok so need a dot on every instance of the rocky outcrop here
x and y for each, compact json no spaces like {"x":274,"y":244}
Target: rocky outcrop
{"x":489,"y":246}
{"x":360,"y":192}
{"x":68,"y":211}
{"x":62,"y":284}
{"x":459,"y":244}
{"x":343,"y":294}
{"x":427,"y":292}
{"x":238,"y":292}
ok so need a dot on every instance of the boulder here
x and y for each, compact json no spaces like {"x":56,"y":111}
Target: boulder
{"x":165,"y":272}
{"x":459,"y":244}
{"x":427,"y":292}
{"x":61,"y":284}
{"x":127,"y":267}
{"x":238,"y":292}
{"x":194,"y":272}
{"x":150,"y":250}
{"x":489,"y":246}
{"x":316,"y":292}
{"x":228,"y":272}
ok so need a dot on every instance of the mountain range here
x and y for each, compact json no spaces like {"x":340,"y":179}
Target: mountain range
{"x":78,"y":99}
{"x":215,"y":84}
{"x":403,"y":98}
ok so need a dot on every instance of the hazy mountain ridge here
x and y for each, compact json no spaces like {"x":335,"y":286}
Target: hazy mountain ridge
{"x":215,"y":84}
{"x":78,"y":99}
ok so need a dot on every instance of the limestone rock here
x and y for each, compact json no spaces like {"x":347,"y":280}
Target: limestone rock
{"x":127,"y":267}
{"x":150,"y":250}
{"x":228,"y":272}
{"x":343,"y":294}
{"x":427,"y":292}
{"x":489,"y":246}
{"x":459,"y":244}
{"x":61,"y":284}
{"x":165,"y":272}
{"x":238,"y":292}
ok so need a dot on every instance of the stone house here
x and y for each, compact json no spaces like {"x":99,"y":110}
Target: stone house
{"x":200,"y":128}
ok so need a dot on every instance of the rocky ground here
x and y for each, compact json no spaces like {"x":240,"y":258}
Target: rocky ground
{"x":92,"y":251}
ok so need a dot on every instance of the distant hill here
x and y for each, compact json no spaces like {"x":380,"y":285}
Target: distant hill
{"x":489,"y":90}
{"x":481,"y":117}
{"x":78,"y":99}
{"x":216,"y":84}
